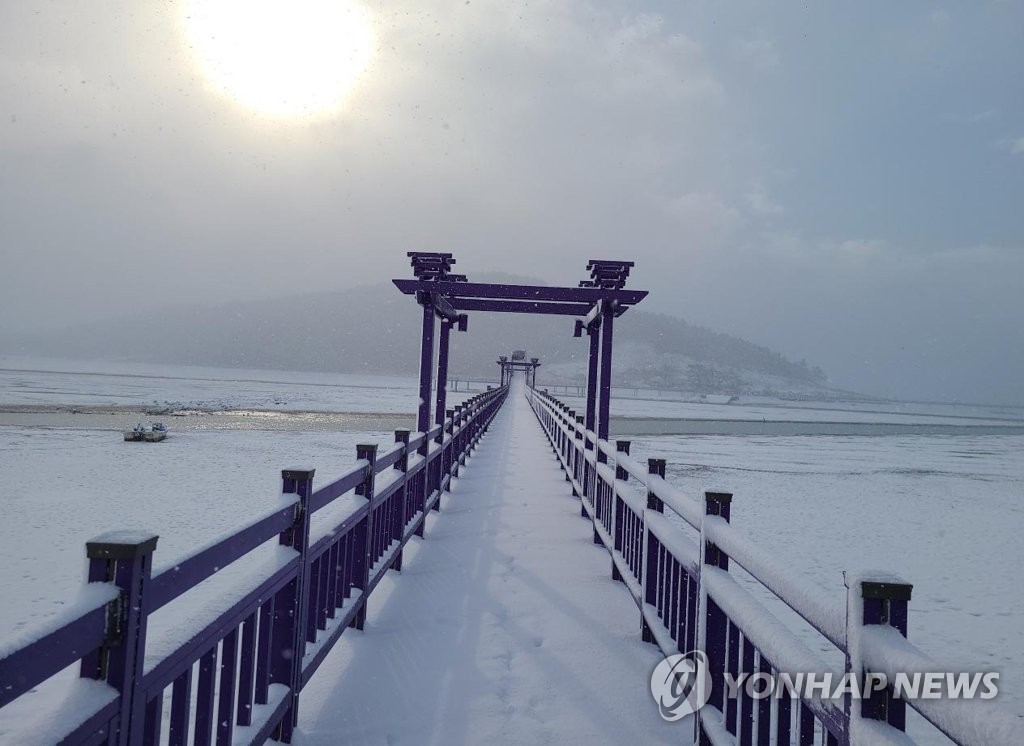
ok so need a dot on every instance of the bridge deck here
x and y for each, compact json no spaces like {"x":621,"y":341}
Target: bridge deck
{"x":504,"y":627}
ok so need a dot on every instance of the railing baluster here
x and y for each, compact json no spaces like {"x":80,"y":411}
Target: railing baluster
{"x":746,"y":709}
{"x":621,"y":446}
{"x":205,"y":698}
{"x":264,"y":650}
{"x":181,"y":705}
{"x":650,"y":581}
{"x":246,"y":671}
{"x":226,"y":686}
{"x":732,"y":666}
{"x":153,"y":718}
{"x":806,"y":726}
{"x":313,"y":601}
{"x":329,"y":578}
{"x":784,"y":725}
{"x":579,"y":454}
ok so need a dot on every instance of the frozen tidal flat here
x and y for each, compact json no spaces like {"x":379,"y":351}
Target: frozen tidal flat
{"x":944,"y":511}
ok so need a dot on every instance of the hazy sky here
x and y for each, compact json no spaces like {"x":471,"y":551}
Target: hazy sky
{"x":841,"y":181}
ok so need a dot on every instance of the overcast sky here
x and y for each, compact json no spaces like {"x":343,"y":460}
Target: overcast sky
{"x":841,"y":181}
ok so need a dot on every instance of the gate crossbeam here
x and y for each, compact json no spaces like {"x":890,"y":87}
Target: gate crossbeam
{"x":596,"y":302}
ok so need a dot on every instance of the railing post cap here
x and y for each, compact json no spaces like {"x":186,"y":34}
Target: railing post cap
{"x":654,"y":463}
{"x":621,"y":444}
{"x":579,"y":419}
{"x":121,"y":545}
{"x":402,"y":435}
{"x":878,"y":584}
{"x":364,"y":447}
{"x":719,"y":497}
{"x":299,"y":475}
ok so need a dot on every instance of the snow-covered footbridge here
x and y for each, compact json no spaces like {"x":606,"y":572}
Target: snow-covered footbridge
{"x":473,"y":555}
{"x":504,"y":627}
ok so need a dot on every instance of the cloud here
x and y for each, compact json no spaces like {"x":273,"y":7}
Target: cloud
{"x":982,"y":116}
{"x":518,"y":135}
{"x":704,"y":215}
{"x":761,"y":203}
{"x":759,"y":52}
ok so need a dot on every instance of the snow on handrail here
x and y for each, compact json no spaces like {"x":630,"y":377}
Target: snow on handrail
{"x":389,"y":458}
{"x":969,"y":721}
{"x":607,"y":449}
{"x":35,"y":654}
{"x":669,"y":536}
{"x":632,"y":467}
{"x":773,"y":639}
{"x":684,"y":506}
{"x":805,"y":600}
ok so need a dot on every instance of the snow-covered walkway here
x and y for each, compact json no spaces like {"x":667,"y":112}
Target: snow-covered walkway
{"x":504,"y":626}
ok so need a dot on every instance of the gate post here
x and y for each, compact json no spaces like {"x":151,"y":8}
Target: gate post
{"x":593,"y":331}
{"x":607,"y":323}
{"x":426,"y":362}
{"x":442,"y":371}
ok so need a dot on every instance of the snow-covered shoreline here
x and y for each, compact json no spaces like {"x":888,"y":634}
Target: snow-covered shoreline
{"x":943,"y":511}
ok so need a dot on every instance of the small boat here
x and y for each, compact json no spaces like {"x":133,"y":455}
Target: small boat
{"x":152,"y":434}
{"x":155,"y":433}
{"x":135,"y":434}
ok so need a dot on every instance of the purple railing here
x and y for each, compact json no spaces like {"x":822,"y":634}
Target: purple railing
{"x":677,"y":564}
{"x":237,"y":679}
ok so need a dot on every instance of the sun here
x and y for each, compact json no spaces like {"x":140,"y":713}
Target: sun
{"x":282,"y":58}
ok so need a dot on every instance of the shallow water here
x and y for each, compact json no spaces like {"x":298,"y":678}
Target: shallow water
{"x":636,"y":426}
{"x":124,"y":418}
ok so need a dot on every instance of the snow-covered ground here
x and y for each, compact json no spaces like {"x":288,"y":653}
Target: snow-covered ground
{"x":41,"y":381}
{"x":62,"y":487}
{"x":944,"y":511}
{"x":782,"y":411}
